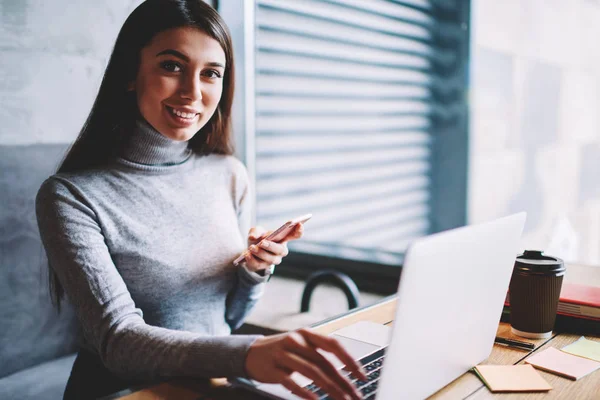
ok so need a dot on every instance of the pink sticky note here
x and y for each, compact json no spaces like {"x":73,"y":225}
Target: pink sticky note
{"x":564,"y":364}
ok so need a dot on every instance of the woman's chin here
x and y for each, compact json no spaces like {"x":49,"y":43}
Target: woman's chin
{"x":179,"y":134}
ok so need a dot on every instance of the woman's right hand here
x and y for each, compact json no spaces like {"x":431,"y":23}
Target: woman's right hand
{"x":273,"y":359}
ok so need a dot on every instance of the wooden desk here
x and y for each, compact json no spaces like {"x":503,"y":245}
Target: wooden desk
{"x":467,"y":385}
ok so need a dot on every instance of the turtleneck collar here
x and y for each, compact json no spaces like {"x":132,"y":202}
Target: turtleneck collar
{"x":147,"y":146}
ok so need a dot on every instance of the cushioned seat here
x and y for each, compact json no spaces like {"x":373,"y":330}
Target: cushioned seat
{"x":44,"y":381}
{"x":34,"y":337}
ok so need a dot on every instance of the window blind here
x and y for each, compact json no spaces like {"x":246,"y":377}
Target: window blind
{"x":344,"y":123}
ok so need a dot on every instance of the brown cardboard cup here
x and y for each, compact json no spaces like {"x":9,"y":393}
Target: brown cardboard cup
{"x":534,"y":292}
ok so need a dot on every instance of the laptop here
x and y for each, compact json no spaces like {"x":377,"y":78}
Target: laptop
{"x":449,"y":302}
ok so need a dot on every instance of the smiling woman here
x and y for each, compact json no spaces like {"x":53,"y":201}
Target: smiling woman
{"x":147,"y":212}
{"x":179,"y":81}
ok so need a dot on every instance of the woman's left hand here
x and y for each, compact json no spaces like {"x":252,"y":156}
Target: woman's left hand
{"x":264,"y":253}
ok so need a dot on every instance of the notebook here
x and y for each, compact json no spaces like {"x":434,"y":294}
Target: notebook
{"x":563,"y":364}
{"x":579,"y":301}
{"x":512,"y":378}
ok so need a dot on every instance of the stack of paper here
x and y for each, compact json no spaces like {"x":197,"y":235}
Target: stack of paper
{"x":512,"y":378}
{"x":574,"y":362}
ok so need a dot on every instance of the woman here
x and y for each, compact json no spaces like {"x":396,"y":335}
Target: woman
{"x":147,"y":211}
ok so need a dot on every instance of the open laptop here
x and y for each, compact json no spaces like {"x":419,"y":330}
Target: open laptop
{"x":450,"y":299}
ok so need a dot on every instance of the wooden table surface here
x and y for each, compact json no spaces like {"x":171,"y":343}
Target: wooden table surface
{"x":467,"y":385}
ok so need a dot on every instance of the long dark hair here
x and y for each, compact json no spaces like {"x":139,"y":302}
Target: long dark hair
{"x":115,"y":108}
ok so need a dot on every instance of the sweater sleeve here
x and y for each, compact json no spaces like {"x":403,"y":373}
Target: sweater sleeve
{"x":110,"y":321}
{"x":249,"y":285}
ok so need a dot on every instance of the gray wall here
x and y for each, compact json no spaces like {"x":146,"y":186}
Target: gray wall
{"x":52,"y":57}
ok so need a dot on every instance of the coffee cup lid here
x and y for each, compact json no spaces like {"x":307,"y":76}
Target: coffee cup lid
{"x":535,"y":261}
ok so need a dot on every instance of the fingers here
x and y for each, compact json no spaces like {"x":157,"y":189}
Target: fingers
{"x":297,"y":363}
{"x":295,"y":234}
{"x":296,"y":343}
{"x":333,"y":346}
{"x":254,"y":263}
{"x":264,"y":256}
{"x":257,"y":233}
{"x":276,"y":358}
{"x":273,"y":255}
{"x":259,"y":258}
{"x":293,"y":387}
{"x":277,"y":249}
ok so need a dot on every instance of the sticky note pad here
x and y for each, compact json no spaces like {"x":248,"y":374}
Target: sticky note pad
{"x":564,"y":364}
{"x":512,"y":378}
{"x":584,"y":348}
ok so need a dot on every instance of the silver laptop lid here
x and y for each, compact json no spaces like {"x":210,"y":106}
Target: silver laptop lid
{"x":450,"y":299}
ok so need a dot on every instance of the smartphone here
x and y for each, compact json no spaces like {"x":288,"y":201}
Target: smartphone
{"x":279,"y":234}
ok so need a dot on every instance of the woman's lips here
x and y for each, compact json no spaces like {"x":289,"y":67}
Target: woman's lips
{"x":182,"y":120}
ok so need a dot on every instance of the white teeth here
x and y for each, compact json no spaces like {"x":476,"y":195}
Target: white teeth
{"x":183,"y":114}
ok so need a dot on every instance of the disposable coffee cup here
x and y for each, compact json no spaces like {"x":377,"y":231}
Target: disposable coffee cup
{"x":534,"y":293}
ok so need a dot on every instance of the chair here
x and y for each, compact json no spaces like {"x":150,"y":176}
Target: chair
{"x":37,"y":344}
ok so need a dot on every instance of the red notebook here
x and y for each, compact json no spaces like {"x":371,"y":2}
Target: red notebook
{"x":580,"y":301}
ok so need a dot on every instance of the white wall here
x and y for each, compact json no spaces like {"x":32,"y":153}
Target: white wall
{"x":535,"y":129}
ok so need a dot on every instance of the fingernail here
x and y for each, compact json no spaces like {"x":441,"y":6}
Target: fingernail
{"x":265,"y":244}
{"x":253,"y":248}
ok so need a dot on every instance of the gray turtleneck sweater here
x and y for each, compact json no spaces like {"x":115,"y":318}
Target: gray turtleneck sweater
{"x":144,"y":250}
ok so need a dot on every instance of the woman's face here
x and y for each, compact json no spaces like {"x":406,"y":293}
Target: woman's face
{"x":180,"y":81}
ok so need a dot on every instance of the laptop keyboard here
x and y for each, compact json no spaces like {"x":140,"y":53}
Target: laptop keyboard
{"x":372,"y":365}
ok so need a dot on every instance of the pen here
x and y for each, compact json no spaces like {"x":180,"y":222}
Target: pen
{"x":514,"y":343}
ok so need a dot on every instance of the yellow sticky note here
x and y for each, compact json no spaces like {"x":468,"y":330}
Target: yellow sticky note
{"x":584,"y":348}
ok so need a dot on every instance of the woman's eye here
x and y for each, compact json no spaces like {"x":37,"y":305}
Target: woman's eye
{"x":170,"y":66}
{"x":211,"y":73}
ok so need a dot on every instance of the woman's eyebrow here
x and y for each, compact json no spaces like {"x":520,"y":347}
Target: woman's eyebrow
{"x":174,"y":53}
{"x":215,"y":64}
{"x":186,"y":58}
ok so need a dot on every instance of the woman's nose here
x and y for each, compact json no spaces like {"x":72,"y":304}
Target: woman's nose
{"x":191,"y":88}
